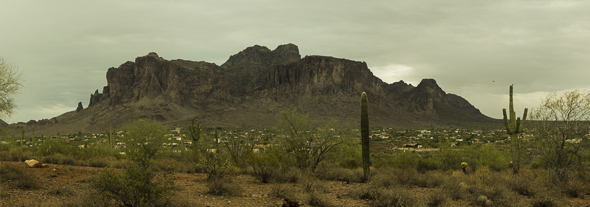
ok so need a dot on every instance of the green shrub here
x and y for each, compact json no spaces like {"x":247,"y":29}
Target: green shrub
{"x":98,"y":162}
{"x":134,"y":187}
{"x":224,"y":187}
{"x":267,"y":166}
{"x":216,"y":165}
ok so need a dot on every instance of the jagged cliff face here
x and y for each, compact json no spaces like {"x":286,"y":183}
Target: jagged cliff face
{"x":253,"y":85}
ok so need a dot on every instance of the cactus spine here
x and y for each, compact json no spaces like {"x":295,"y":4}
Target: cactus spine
{"x":365,"y":135}
{"x":514,"y":126}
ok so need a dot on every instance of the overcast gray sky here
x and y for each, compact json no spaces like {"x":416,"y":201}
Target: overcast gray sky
{"x":474,"y":49}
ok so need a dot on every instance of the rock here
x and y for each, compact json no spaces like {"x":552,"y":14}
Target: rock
{"x":31,"y":163}
{"x":481,"y":200}
{"x":489,"y":203}
{"x":80,"y":107}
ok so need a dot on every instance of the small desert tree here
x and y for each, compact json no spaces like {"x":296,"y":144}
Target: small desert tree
{"x":139,"y":184}
{"x":561,"y":121}
{"x":10,"y":84}
{"x":308,"y":144}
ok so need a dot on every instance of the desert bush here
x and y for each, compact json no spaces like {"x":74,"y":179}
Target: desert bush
{"x":366,"y":192}
{"x":315,"y":186}
{"x":290,"y":175}
{"x":99,"y":162}
{"x":19,"y":154}
{"x":266,"y":166}
{"x":386,"y":178}
{"x":139,"y":184}
{"x":427,"y":164}
{"x":61,"y":160}
{"x":134,"y":187}
{"x":307,"y":143}
{"x":283,"y":191}
{"x":19,"y":177}
{"x":437,"y":198}
{"x":121,"y":164}
{"x":340,"y":174}
{"x":573,"y":187}
{"x":318,"y":199}
{"x":523,"y":184}
{"x":215,"y":164}
{"x":455,"y":188}
{"x":5,"y":155}
{"x":224,"y":187}
{"x":396,"y":197}
{"x":546,"y":199}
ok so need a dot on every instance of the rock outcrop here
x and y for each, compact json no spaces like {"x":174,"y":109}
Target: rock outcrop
{"x":80,"y":107}
{"x":256,"y":83}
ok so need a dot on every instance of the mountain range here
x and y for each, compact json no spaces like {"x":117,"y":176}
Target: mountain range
{"x":249,"y":90}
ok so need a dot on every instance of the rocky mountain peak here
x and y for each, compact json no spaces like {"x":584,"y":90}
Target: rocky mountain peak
{"x":253,"y":85}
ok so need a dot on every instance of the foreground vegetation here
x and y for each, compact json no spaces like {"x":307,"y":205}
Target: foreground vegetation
{"x":304,"y":162}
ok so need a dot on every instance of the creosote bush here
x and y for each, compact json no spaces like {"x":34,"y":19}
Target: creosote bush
{"x":224,"y":187}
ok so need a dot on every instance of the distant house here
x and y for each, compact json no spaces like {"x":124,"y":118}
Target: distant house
{"x":413,"y":145}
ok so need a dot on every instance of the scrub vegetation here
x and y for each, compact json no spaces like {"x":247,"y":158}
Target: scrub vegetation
{"x":302,"y":162}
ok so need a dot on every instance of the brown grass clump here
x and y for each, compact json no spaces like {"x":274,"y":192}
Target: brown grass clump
{"x":341,"y":174}
{"x":395,"y":197}
{"x":283,"y":191}
{"x":224,"y":187}
{"x":437,"y":198}
{"x":319,"y":199}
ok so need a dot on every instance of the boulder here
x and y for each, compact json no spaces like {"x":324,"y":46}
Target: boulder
{"x":32,"y":163}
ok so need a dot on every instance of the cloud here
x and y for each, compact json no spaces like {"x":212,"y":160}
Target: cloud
{"x":539,"y":46}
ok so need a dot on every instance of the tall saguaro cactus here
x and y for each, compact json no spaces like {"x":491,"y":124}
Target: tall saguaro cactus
{"x":365,"y":135}
{"x":195,"y":133}
{"x":514,"y":126}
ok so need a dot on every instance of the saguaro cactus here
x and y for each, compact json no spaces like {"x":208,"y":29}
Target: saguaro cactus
{"x":22,"y":136}
{"x":110,"y":134}
{"x":195,"y":133}
{"x":33,"y":136}
{"x":365,"y":135}
{"x":514,"y":126}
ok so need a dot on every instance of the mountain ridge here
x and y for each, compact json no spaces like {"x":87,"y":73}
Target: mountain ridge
{"x":252,"y":86}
